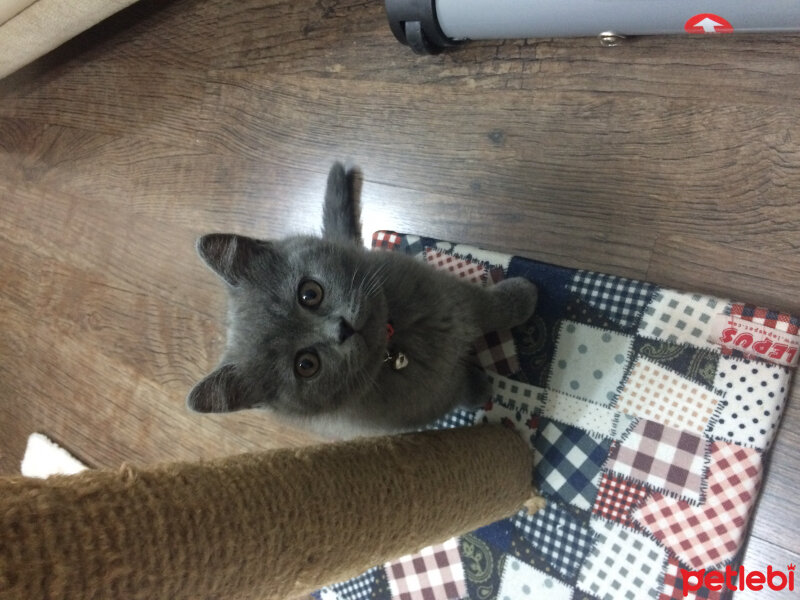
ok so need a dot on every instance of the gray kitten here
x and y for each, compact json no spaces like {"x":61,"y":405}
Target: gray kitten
{"x":308,"y":328}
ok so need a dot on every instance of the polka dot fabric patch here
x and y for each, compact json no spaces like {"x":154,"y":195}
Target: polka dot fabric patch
{"x":755,"y":396}
{"x":522,"y":582}
{"x":657,"y":394}
{"x":681,"y":318}
{"x":589,"y":362}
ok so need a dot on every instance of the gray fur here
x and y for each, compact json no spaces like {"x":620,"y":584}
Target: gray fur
{"x":436,"y":317}
{"x":340,"y":219}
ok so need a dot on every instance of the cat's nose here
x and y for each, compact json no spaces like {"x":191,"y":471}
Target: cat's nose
{"x":345,"y":330}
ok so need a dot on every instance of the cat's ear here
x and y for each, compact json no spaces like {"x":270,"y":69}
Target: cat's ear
{"x":340,"y":219}
{"x":230,"y":256}
{"x":219,"y":392}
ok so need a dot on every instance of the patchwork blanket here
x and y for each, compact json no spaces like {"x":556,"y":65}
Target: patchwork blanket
{"x":650,"y":413}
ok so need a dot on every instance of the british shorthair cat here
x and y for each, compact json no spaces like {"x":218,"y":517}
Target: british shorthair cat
{"x":344,"y":340}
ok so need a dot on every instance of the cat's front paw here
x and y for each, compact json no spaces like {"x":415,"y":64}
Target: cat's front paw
{"x":519,"y":297}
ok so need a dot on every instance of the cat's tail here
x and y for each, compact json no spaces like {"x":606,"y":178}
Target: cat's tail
{"x":340,"y":214}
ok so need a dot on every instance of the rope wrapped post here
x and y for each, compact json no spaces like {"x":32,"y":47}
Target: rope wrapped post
{"x":270,"y":525}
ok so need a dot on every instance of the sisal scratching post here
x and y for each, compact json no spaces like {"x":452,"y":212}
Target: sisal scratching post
{"x":269,"y":525}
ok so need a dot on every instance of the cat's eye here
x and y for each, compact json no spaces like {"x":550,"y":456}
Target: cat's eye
{"x":310,"y":293}
{"x":306,"y":363}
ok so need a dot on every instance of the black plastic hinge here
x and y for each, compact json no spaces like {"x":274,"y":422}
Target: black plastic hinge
{"x":415,"y":24}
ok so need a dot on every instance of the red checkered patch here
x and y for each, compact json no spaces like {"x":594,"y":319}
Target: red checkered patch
{"x":755,"y":332}
{"x":762,"y":316}
{"x":709,"y":534}
{"x":387,"y":240}
{"x":434,"y":572}
{"x":617,"y":497}
{"x":472,"y":271}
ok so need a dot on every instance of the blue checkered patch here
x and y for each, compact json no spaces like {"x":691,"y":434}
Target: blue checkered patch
{"x":568,"y":463}
{"x":359,"y":588}
{"x":560,"y":538}
{"x":455,"y":418}
{"x":623,"y":300}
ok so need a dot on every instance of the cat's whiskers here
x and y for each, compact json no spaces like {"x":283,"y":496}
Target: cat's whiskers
{"x":353,"y":281}
{"x":371,"y":285}
{"x":354,"y":297}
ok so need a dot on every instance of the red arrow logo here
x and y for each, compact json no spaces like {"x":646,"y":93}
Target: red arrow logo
{"x":708,"y":23}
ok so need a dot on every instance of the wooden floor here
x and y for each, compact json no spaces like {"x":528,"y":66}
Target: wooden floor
{"x":671,"y":159}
